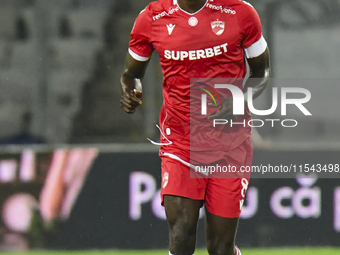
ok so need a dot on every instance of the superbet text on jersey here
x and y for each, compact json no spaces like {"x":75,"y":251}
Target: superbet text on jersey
{"x":211,"y":43}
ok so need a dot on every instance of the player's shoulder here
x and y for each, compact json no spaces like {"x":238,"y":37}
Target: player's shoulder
{"x":244,"y":10}
{"x":158,"y":7}
{"x":240,"y":5}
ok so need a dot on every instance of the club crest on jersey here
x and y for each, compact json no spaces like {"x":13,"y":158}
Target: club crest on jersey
{"x":218,"y":27}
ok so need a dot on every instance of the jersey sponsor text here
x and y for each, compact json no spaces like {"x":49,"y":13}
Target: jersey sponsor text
{"x":165,"y":13}
{"x":196,"y":54}
{"x":226,"y":10}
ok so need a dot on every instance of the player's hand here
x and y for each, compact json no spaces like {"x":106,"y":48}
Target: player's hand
{"x":225,"y":112}
{"x":131,"y":96}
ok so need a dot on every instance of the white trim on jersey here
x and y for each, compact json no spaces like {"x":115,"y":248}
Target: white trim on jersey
{"x":137,"y":57}
{"x":183,"y":162}
{"x":162,"y":133}
{"x":175,"y":2}
{"x":256,"y":49}
{"x":248,"y":3}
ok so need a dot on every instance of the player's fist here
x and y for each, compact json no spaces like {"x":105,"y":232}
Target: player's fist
{"x":225,"y":111}
{"x":131,"y":93}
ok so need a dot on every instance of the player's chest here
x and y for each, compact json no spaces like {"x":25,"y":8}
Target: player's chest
{"x":193,"y":32}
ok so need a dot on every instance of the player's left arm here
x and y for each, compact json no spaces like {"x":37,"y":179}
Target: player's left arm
{"x":257,"y":54}
{"x":258,"y":80}
{"x":259,"y":74}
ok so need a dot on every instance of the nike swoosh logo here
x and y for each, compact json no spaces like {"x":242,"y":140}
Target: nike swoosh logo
{"x":170,"y":28}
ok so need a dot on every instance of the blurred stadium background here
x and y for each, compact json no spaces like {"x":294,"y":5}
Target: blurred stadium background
{"x":76,"y":172}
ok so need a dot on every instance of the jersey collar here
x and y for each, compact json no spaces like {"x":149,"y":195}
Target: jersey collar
{"x":175,"y":3}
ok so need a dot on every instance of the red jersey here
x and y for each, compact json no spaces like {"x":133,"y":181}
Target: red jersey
{"x":210,"y":43}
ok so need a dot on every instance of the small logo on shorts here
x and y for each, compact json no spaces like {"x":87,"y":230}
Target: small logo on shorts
{"x":165,"y":180}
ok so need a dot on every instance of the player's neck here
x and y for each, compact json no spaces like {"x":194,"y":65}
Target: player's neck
{"x":191,"y":6}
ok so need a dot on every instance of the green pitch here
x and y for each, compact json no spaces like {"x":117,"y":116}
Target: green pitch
{"x":274,"y":251}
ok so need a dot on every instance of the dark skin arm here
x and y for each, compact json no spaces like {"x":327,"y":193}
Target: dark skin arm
{"x":260,"y":69}
{"x":134,"y":71}
{"x":131,"y":99}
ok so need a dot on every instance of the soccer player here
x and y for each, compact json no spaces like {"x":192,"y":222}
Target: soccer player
{"x":199,"y":39}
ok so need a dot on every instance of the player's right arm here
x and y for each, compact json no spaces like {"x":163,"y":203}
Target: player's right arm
{"x":137,"y":59}
{"x":130,"y":80}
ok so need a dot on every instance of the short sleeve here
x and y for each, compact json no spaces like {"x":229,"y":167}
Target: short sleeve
{"x":254,"y":43}
{"x":140,"y":47}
